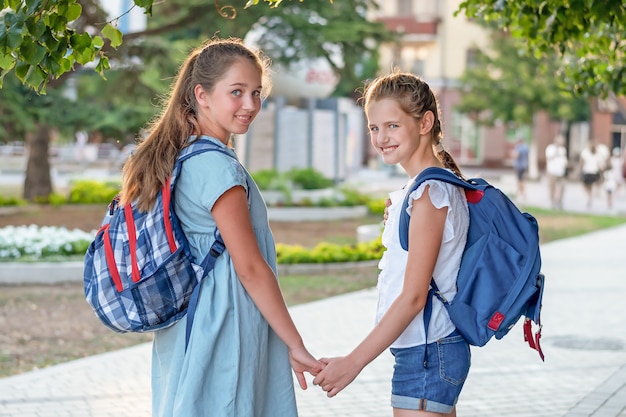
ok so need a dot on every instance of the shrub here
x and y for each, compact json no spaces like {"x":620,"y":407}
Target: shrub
{"x":353,"y":198}
{"x":376,"y":207}
{"x":309,"y":179}
{"x":56,"y":199}
{"x":12,"y":201}
{"x":92,"y":192}
{"x":269,"y":179}
{"x":326,"y":252}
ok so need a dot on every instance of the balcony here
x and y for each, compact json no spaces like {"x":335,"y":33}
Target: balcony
{"x":411,"y":28}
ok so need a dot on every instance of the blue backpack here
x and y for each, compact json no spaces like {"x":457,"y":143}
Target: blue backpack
{"x":499,"y":279}
{"x":139,"y":274}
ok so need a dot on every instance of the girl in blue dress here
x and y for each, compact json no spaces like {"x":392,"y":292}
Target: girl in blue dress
{"x":243,"y":343}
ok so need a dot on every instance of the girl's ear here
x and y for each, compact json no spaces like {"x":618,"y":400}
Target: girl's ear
{"x":201,"y":95}
{"x":426,"y":123}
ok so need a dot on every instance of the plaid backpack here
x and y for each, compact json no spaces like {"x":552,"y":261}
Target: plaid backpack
{"x":499,"y":279}
{"x":139,"y":274}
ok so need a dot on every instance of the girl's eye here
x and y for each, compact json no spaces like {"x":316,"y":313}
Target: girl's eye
{"x":373,"y":129}
{"x":256,"y":93}
{"x":236,"y":93}
{"x":393,"y":126}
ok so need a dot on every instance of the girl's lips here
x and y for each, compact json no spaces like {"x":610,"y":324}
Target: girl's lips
{"x":244,"y":119}
{"x":387,"y":149}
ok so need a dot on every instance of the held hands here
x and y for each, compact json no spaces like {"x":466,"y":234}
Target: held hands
{"x":386,"y":212}
{"x":338,"y":374}
{"x":302,"y":361}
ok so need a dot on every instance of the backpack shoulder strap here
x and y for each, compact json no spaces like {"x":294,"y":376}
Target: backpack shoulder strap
{"x":199,"y":146}
{"x":441,"y":174}
{"x":430,"y":173}
{"x":196,"y":147}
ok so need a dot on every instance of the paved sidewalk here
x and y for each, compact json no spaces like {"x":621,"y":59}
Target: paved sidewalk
{"x":584,"y":343}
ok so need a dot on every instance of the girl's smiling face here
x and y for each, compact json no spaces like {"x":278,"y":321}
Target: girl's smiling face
{"x":393,"y":132}
{"x":233,"y":103}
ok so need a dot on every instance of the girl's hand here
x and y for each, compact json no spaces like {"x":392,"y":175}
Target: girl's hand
{"x":302,"y":361}
{"x":338,"y":374}
{"x":386,"y":212}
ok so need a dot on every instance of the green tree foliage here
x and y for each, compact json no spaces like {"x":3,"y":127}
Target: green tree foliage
{"x":588,"y":36}
{"x":510,"y":86}
{"x":22,"y":109}
{"x":39,"y":40}
{"x":139,"y":66}
{"x":291,"y":32}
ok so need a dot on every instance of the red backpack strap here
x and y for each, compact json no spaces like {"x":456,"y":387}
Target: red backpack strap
{"x":533,"y":340}
{"x":132,"y":241}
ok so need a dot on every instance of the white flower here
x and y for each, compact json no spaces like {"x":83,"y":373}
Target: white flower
{"x":36,"y":242}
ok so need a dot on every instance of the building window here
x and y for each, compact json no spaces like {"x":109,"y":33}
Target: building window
{"x":405,"y":7}
{"x":471,"y":58}
{"x":417,"y":67}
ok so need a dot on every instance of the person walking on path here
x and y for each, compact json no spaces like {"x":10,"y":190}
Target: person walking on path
{"x":612,"y":176}
{"x":405,"y":129}
{"x":243,"y":342}
{"x":556,"y":170}
{"x":520,"y":165}
{"x":590,"y":169}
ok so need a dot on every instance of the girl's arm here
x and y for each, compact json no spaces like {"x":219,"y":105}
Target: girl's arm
{"x":425,"y":237}
{"x":233,"y":221}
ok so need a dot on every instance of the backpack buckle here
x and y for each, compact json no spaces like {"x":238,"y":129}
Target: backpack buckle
{"x":217,"y":248}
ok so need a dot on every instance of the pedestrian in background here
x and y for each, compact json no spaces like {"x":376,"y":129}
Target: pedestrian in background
{"x":405,"y":129}
{"x":556,"y":170}
{"x":243,"y":342}
{"x":520,"y":164}
{"x":590,"y":169}
{"x":613,"y":179}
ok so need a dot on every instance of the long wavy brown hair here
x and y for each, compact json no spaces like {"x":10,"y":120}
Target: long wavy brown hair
{"x":414,"y":97}
{"x":147,"y":170}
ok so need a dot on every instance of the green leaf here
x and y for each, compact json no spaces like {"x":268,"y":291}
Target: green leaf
{"x":80,"y":41}
{"x":73,"y":12}
{"x":32,"y":52}
{"x":103,"y":65}
{"x":112,"y":34}
{"x":66,"y":64}
{"x":7,"y":62}
{"x":51,"y":66}
{"x":82,"y":49}
{"x":14,"y":38}
{"x":97,"y":42}
{"x":145,"y":4}
{"x":36,"y":78}
{"x":21,"y":70}
{"x":36,"y":28}
{"x":32,"y":6}
{"x":55,"y":22}
{"x":13,"y":4}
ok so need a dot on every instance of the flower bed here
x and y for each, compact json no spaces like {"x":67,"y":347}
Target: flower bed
{"x":52,"y":243}
{"x":34,"y":243}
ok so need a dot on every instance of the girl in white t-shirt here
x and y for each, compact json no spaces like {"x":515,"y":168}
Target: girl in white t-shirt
{"x":428,"y":374}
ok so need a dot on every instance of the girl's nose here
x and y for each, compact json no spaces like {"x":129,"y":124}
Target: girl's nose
{"x":249,"y":102}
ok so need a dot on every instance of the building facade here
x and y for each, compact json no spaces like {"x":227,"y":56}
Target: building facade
{"x":438,"y":46}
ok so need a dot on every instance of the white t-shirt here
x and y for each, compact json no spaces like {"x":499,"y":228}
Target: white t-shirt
{"x":393,"y":261}
{"x":591,"y":162}
{"x":556,"y":160}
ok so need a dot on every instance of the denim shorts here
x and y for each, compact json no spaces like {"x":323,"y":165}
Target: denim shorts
{"x":435,"y":388}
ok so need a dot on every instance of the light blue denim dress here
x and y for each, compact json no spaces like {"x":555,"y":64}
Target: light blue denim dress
{"x":235,"y":365}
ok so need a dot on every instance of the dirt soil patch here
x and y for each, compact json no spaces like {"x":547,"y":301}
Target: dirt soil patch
{"x":44,"y":325}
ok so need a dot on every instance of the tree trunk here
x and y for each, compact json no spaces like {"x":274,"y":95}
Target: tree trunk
{"x":38,"y":183}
